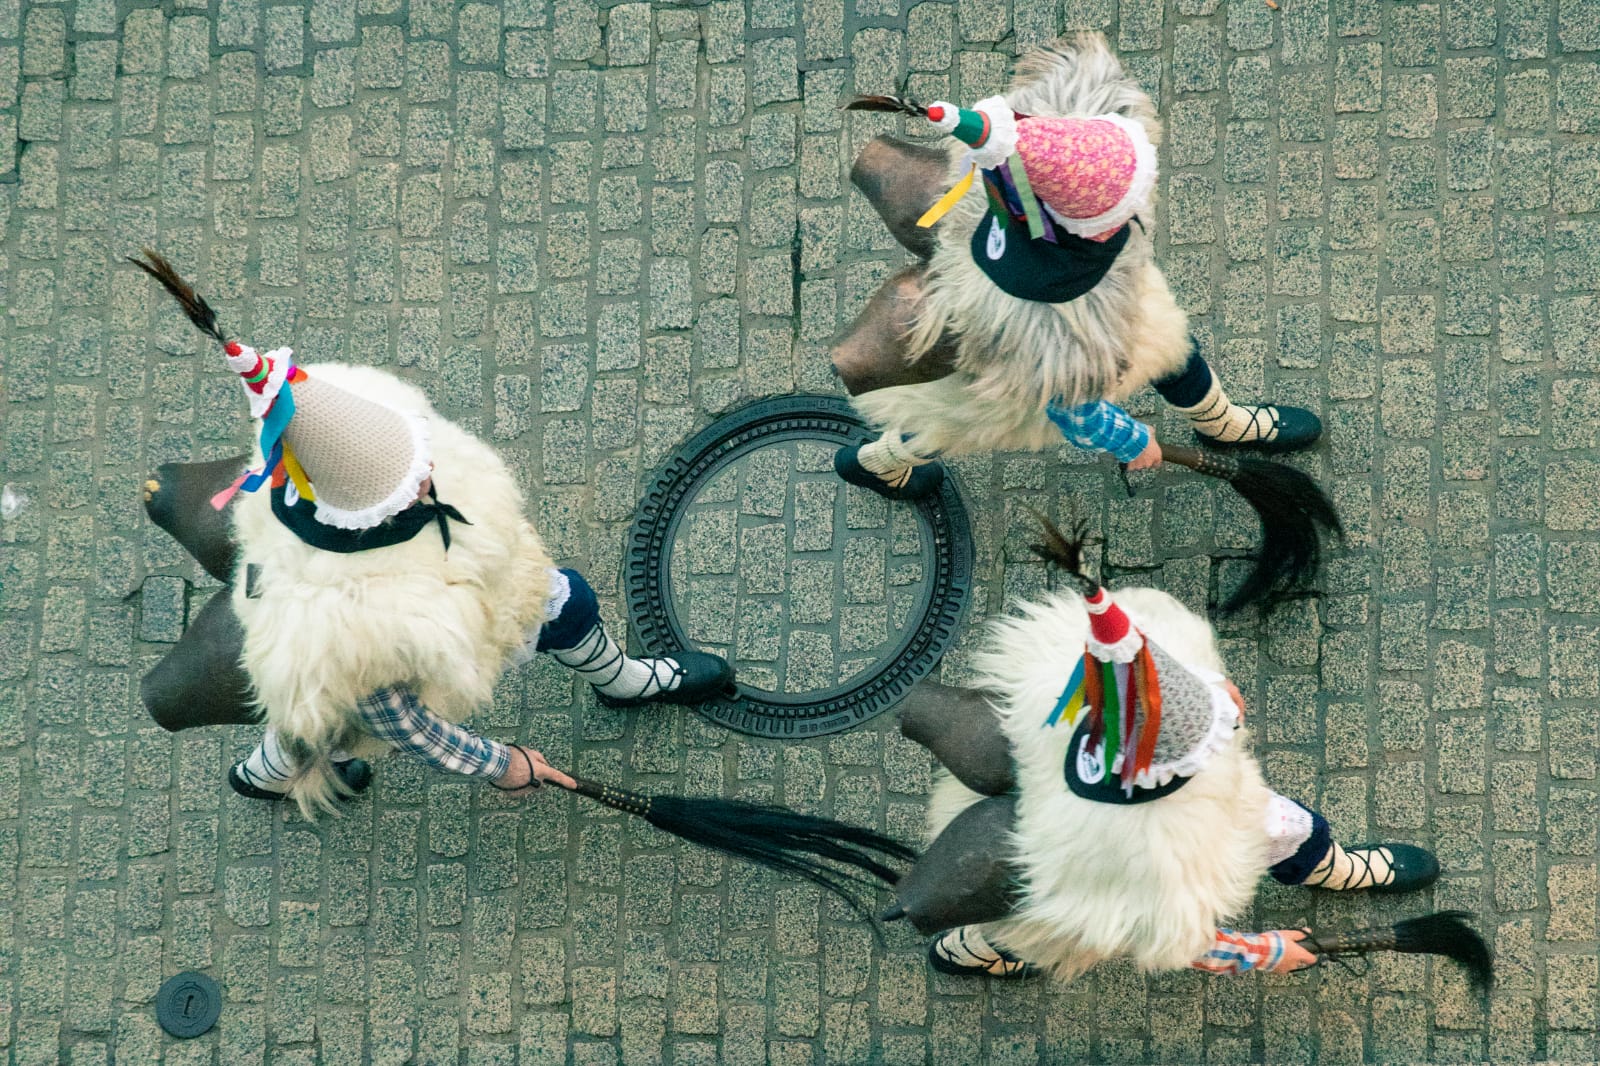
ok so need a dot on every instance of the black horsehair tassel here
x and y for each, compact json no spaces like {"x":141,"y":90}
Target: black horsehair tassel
{"x":1445,"y":933}
{"x":194,"y":305}
{"x":1295,"y":515}
{"x":772,"y":836}
{"x":905,"y":106}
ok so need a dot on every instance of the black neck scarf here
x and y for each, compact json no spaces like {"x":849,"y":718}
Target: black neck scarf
{"x":301,"y":518}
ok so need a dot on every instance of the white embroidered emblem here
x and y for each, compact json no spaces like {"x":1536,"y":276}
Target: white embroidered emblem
{"x":1091,"y":764}
{"x":997,"y":240}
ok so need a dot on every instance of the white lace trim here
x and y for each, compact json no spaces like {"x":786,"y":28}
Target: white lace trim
{"x":261,"y":402}
{"x":1224,"y":722}
{"x":560,"y":593}
{"x":1123,"y":651}
{"x":1289,"y":826}
{"x":404,"y":494}
{"x":1145,"y":172}
{"x":1002,"y":134}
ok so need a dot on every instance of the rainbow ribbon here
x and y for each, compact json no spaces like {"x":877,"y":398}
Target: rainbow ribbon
{"x":279,"y":457}
{"x":1113,"y":715}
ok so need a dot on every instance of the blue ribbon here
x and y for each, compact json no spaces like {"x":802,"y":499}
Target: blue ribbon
{"x":1073,"y":684}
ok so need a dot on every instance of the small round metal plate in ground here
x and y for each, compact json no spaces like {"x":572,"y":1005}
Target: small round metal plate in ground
{"x":830,"y":601}
{"x":188,"y":1004}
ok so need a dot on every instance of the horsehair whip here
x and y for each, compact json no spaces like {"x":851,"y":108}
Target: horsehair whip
{"x":1444,"y":933}
{"x":1294,"y":513}
{"x":892,"y":104}
{"x":769,"y":835}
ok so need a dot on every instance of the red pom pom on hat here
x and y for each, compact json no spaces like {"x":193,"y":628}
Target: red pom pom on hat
{"x":936,"y":113}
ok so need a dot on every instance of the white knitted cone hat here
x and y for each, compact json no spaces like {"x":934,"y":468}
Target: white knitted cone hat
{"x":366,"y":461}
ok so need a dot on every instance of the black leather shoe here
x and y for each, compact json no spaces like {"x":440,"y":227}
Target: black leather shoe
{"x":355,"y":773}
{"x":1414,"y":867}
{"x":703,"y":676}
{"x":1295,"y":427}
{"x":924,"y":480}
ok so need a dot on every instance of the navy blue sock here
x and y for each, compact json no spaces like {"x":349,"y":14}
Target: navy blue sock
{"x":1297,"y":867}
{"x":579,"y":614}
{"x":1189,"y":385}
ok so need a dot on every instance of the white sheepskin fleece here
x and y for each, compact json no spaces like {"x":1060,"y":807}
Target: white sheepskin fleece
{"x":327,"y":629}
{"x":1151,"y":881}
{"x":1014,"y":356}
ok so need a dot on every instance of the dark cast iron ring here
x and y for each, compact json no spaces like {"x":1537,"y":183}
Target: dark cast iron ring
{"x":947,"y":577}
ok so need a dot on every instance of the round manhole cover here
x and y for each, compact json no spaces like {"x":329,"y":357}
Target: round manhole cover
{"x":829,"y":600}
{"x":188,"y":1004}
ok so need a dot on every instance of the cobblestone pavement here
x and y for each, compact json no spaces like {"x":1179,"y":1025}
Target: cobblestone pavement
{"x":803,"y":581}
{"x":588,"y":230}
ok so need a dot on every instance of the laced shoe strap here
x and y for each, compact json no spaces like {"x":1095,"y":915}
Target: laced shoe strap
{"x":991,"y":959}
{"x":1219,"y":421}
{"x":1360,"y":877}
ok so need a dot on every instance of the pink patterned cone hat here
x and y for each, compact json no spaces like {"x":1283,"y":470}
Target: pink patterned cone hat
{"x":1091,"y":174}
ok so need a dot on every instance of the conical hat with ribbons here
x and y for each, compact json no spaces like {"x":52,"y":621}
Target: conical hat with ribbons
{"x":1142,"y":719}
{"x":360,"y":461}
{"x":1091,"y":174}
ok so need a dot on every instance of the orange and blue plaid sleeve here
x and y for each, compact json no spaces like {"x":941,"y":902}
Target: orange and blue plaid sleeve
{"x":1233,"y":952}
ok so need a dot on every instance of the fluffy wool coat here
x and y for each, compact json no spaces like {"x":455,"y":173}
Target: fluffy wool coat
{"x":327,"y":629}
{"x":1151,"y":881}
{"x":1015,"y":356}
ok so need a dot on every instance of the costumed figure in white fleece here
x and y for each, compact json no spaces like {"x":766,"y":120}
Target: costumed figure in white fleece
{"x":364,"y":613}
{"x":1036,"y":306}
{"x":1101,"y":801}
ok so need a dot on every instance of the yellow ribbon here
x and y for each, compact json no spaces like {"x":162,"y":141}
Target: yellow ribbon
{"x":946,"y":202}
{"x":297,"y":474}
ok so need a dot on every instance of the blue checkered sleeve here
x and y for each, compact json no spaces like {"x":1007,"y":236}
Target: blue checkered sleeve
{"x":397,"y":716}
{"x":1101,"y":427}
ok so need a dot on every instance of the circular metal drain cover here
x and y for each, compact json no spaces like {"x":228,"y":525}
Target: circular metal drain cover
{"x":830,"y":601}
{"x":188,"y":1004}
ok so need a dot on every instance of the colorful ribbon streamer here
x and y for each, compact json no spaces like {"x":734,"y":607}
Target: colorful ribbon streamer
{"x":273,"y":447}
{"x":947,"y":201}
{"x":1071,"y":702}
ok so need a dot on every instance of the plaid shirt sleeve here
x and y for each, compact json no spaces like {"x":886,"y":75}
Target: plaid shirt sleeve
{"x":1233,"y":952}
{"x":1101,"y":427}
{"x":397,"y":716}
